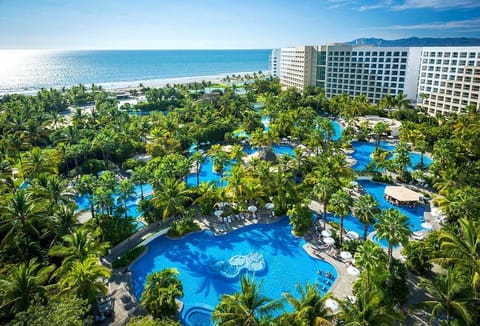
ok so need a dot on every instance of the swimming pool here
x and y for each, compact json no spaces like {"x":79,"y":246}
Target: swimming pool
{"x":206,"y":168}
{"x":363,"y":151}
{"x":132,"y":203}
{"x":351,"y":223}
{"x":197,"y":256}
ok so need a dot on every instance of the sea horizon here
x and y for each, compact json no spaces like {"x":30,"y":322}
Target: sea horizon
{"x":28,"y":71}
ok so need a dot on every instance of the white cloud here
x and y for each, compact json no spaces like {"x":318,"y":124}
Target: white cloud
{"x":437,"y":4}
{"x":469,"y":24}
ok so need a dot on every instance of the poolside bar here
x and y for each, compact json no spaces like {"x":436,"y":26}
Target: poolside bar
{"x":399,"y":195}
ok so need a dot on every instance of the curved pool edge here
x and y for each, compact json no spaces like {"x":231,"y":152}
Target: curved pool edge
{"x":342,"y":285}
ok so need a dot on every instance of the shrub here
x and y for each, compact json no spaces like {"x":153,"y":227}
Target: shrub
{"x":183,"y":226}
{"x":127,"y":258}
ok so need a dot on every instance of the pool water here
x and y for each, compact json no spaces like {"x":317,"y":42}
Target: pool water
{"x":338,"y":130}
{"x":363,"y":151}
{"x":377,"y":190}
{"x":286,"y":264}
{"x":132,"y":203}
{"x":206,"y":168}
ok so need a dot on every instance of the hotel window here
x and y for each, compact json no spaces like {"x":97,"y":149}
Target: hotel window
{"x":455,"y":54}
{"x":471,"y":55}
{"x":463,"y":55}
{"x":389,"y":54}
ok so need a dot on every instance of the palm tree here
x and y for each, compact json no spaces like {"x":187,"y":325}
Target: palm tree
{"x":462,"y":248}
{"x":401,"y":157}
{"x":448,"y":297}
{"x":310,"y":308}
{"x":86,"y":279}
{"x":367,"y":310}
{"x":79,"y":245}
{"x":340,"y":204}
{"x":24,"y":282}
{"x":392,"y":226}
{"x":365,"y":209}
{"x":379,"y":129}
{"x":421,"y":145}
{"x":86,"y":186}
{"x":161,"y":290}
{"x":141,"y":175}
{"x":247,"y":307}
{"x":171,"y":197}
{"x":237,"y":153}
{"x":370,"y":257}
{"x":39,"y":161}
{"x":125,"y":190}
{"x":197,"y":158}
{"x":21,"y":213}
{"x":401,"y":101}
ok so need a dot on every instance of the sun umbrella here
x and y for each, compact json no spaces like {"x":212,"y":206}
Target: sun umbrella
{"x":252,"y":209}
{"x":352,"y":235}
{"x":218,"y":212}
{"x":426,"y":226}
{"x":269,"y":206}
{"x":346,"y":255}
{"x":332,"y":305}
{"x":326,"y":233}
{"x":329,"y":241}
{"x":353,"y":271}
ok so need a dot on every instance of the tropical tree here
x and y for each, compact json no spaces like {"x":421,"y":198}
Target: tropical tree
{"x":125,"y":190}
{"x":449,"y":297}
{"x":85,"y":278}
{"x":24,"y":282}
{"x":39,"y":161}
{"x":371,"y":258}
{"x":22,"y":214}
{"x":367,"y":309}
{"x":141,"y":175}
{"x":247,"y":307}
{"x":86,"y":186}
{"x":79,"y":245}
{"x":379,"y":129}
{"x":421,"y":145}
{"x":462,"y":248}
{"x":161,"y":290}
{"x":197,"y":158}
{"x":340,"y":204}
{"x":392,"y":226}
{"x":365,"y":208}
{"x":310,"y":308}
{"x":401,"y":158}
{"x":171,"y":197}
{"x":323,"y":190}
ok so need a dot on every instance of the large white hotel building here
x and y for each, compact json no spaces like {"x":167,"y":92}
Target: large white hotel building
{"x":448,"y":77}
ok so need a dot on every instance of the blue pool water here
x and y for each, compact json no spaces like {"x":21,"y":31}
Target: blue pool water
{"x":132,"y":203}
{"x":363,"y":151}
{"x":206,"y":168}
{"x":377,"y":190}
{"x":286,"y":264}
{"x":338,"y":130}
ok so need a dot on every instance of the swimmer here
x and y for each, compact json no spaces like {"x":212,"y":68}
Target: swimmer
{"x":329,"y":275}
{"x":324,"y":288}
{"x":319,"y":272}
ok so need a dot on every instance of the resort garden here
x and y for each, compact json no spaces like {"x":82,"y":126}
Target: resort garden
{"x":80,"y":174}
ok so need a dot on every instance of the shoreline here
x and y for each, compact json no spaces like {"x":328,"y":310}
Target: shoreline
{"x":134,"y":84}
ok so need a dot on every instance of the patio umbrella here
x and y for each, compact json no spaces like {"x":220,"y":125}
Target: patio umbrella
{"x":332,"y":305}
{"x":329,"y":241}
{"x":326,"y":233}
{"x":252,"y":209}
{"x":353,"y":235}
{"x":353,"y":271}
{"x":426,"y":226}
{"x":269,"y":206}
{"x":218,"y":212}
{"x":346,"y":255}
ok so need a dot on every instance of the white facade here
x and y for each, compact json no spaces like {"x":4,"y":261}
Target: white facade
{"x":441,"y":79}
{"x":449,"y":79}
{"x":372,"y":71}
{"x":297,"y":66}
{"x":275,"y":62}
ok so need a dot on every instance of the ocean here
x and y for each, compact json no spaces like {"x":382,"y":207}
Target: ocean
{"x":26,"y":71}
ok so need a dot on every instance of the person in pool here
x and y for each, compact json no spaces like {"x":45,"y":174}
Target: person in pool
{"x":319,"y":272}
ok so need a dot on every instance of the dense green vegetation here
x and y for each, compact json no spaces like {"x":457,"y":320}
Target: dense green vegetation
{"x":50,"y":263}
{"x":127,"y":258}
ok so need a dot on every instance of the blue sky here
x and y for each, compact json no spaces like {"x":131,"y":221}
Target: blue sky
{"x":216,"y":24}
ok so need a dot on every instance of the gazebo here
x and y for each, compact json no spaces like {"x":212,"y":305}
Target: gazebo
{"x":399,"y":195}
